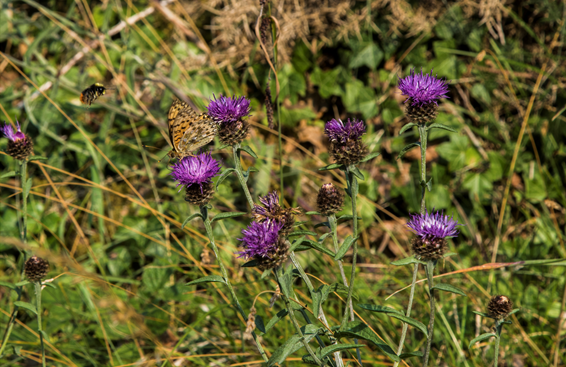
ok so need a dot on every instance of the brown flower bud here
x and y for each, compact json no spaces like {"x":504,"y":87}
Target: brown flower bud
{"x":428,"y":248}
{"x":329,"y":199}
{"x":36,"y":268}
{"x":499,"y":307}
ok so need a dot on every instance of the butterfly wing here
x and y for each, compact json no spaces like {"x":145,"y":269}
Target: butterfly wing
{"x":173,"y":123}
{"x":200,"y":130}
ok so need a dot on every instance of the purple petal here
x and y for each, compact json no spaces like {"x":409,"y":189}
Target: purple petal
{"x":435,"y":225}
{"x":198,"y":169}
{"x":423,"y":88}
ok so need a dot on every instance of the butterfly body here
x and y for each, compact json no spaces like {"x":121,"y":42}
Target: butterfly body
{"x":188,"y":129}
{"x":90,"y":94}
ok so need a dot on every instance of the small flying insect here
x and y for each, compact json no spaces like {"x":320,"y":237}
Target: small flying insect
{"x":90,"y":94}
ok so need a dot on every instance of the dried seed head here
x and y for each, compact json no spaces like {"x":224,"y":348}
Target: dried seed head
{"x":205,"y":256}
{"x":36,"y":268}
{"x":428,"y":248}
{"x":250,"y":324}
{"x":499,"y":307}
{"x":329,"y":199}
{"x":200,"y":195}
{"x":275,"y":296}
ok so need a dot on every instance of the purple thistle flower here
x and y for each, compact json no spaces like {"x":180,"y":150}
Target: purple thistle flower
{"x":8,"y":132}
{"x":260,"y":239}
{"x":198,"y":170}
{"x":422,"y":88}
{"x":270,"y":205}
{"x":337,"y":131}
{"x":432,"y":226}
{"x":228,"y":110}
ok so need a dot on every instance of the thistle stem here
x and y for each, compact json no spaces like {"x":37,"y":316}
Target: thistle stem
{"x":241,"y":178}
{"x":39,"y":329}
{"x":353,"y":188}
{"x":23,"y":235}
{"x":429,"y":274}
{"x":295,"y":322}
{"x":207,"y":225}
{"x":498,"y":327}
{"x":408,"y":314}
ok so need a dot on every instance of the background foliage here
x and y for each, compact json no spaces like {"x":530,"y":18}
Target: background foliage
{"x":106,"y":215}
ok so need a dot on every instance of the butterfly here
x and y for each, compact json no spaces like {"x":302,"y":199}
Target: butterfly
{"x":188,"y":129}
{"x":90,"y":94}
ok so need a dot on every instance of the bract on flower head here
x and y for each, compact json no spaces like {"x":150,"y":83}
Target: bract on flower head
{"x":338,"y":131}
{"x":228,"y":110}
{"x":199,"y":169}
{"x":260,"y":239}
{"x":435,"y":225}
{"x":422,"y":88}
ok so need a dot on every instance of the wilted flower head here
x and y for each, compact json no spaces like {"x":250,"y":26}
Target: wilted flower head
{"x":197,"y":169}
{"x":228,"y":109}
{"x":36,"y":268}
{"x":337,"y":131}
{"x":329,"y":200}
{"x":435,"y":225}
{"x":422,"y":88}
{"x":271,"y":210}
{"x":260,"y":239}
{"x":20,"y":146}
{"x":499,"y":307}
{"x":346,"y":145}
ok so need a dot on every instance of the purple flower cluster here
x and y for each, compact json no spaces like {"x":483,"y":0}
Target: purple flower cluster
{"x":270,"y":205}
{"x":422,"y":88}
{"x":228,"y":109}
{"x":260,"y":239}
{"x":337,"y":131}
{"x":432,"y":226}
{"x":198,"y":170}
{"x":8,"y":132}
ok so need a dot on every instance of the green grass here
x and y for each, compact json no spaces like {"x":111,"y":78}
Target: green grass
{"x":106,"y":215}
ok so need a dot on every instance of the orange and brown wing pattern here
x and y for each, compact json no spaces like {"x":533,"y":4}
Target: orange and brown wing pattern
{"x":176,"y":107}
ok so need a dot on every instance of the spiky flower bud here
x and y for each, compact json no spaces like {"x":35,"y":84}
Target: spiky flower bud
{"x":329,"y":199}
{"x":264,"y":243}
{"x":428,"y":249}
{"x":499,"y":307}
{"x":346,"y":146}
{"x":423,"y":92}
{"x":271,"y":210}
{"x":230,"y":112}
{"x":196,"y":173}
{"x":20,"y":146}
{"x":36,"y":268}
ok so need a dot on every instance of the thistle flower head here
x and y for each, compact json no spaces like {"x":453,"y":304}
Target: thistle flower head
{"x":422,"y":89}
{"x":271,"y":210}
{"x":260,"y":239}
{"x":198,"y":170}
{"x":329,"y":199}
{"x":431,"y":226}
{"x":228,"y":110}
{"x":499,"y":307}
{"x":338,"y":132}
{"x":8,"y":132}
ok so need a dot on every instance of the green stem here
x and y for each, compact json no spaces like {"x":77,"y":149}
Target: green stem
{"x":296,"y":323}
{"x":241,"y":178}
{"x":353,"y":188}
{"x":408,"y":314}
{"x":39,"y":329}
{"x":423,"y":135}
{"x":429,"y":274}
{"x":206,"y":220}
{"x":23,"y":235}
{"x":498,"y":327}
{"x":333,"y":227}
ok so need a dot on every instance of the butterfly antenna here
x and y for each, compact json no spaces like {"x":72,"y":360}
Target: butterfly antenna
{"x":166,"y":155}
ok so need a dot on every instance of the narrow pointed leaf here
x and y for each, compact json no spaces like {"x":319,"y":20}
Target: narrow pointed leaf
{"x":27,"y":188}
{"x":275,"y":319}
{"x":331,"y":166}
{"x":317,"y":246}
{"x":226,"y":215}
{"x":357,"y":329}
{"x":312,"y":213}
{"x":482,"y":314}
{"x":292,"y":345}
{"x":191,"y":217}
{"x":248,"y":150}
{"x":9,"y":285}
{"x":480,"y":338}
{"x":410,"y":355}
{"x":407,"y":261}
{"x":357,"y":173}
{"x":449,"y":288}
{"x":407,"y":127}
{"x":344,"y":248}
{"x":259,"y":323}
{"x":251,"y":264}
{"x":208,"y":279}
{"x":302,"y":233}
{"x":223,"y":176}
{"x":370,"y":157}
{"x":338,"y":347}
{"x":440,"y":126}
{"x":27,"y":306}
{"x":8,"y":174}
{"x":409,"y":320}
{"x":514,"y":311}
{"x":37,"y":158}
{"x":376,"y":308}
{"x":340,"y":288}
{"x":407,"y":148}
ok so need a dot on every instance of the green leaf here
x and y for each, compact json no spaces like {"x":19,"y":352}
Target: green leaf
{"x":37,"y":158}
{"x":22,"y":283}
{"x":429,"y":185}
{"x":410,"y":355}
{"x":259,"y":323}
{"x":357,"y":329}
{"x":45,"y":336}
{"x":326,"y":81}
{"x":8,"y":174}
{"x":223,"y":176}
{"x":514,"y":311}
{"x":265,"y":273}
{"x":409,"y":320}
{"x":344,"y":248}
{"x":226,"y":215}
{"x":27,"y":187}
{"x":313,"y":213}
{"x":286,"y":282}
{"x":18,"y":350}
{"x":9,"y":285}
{"x":27,"y":306}
{"x":247,"y":173}
{"x":302,"y":233}
{"x":482,"y":314}
{"x":376,"y":308}
{"x":318,"y":298}
{"x":50,"y":285}
{"x":449,"y":288}
{"x":448,"y":254}
{"x":407,"y":148}
{"x":436,"y":125}
{"x":208,"y":279}
{"x":407,"y":127}
{"x":407,"y":261}
{"x":317,"y":246}
{"x":331,"y":166}
{"x":292,"y":345}
{"x":324,"y":236}
{"x":338,"y":347}
{"x":340,"y":288}
{"x":369,"y":54}
{"x":346,"y":217}
{"x":296,"y":243}
{"x":247,"y":149}
{"x":480,"y":338}
{"x":370,"y":157}
{"x":275,"y":319}
{"x":191,"y":217}
{"x":357,"y":173}
{"x":322,"y":224}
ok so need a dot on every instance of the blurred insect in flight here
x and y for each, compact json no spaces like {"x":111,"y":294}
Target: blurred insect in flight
{"x":90,"y":94}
